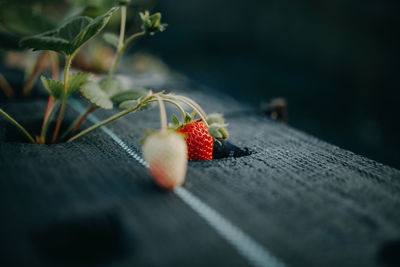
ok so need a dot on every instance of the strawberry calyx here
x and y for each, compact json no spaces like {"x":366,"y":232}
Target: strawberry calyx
{"x":215,"y":124}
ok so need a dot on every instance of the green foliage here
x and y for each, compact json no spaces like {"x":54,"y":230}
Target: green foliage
{"x":129,"y":104}
{"x":126,"y":99}
{"x":114,"y":86}
{"x":132,"y":94}
{"x":68,"y":38}
{"x":214,"y":131}
{"x":175,"y":121}
{"x":217,"y":126}
{"x":93,"y":92}
{"x":115,"y":93}
{"x":18,"y":21}
{"x":22,"y":20}
{"x":101,"y":4}
{"x":75,"y":81}
{"x":55,"y":88}
{"x":188,"y":118}
{"x":152,"y":23}
{"x":215,"y":118}
{"x":111,"y":38}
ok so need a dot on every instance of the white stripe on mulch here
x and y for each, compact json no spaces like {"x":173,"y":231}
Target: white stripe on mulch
{"x":245,"y":245}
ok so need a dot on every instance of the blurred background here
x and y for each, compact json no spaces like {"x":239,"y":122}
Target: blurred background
{"x":335,"y":62}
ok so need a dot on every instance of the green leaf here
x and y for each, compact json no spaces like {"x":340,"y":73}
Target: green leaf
{"x":175,"y":121}
{"x":21,"y":20}
{"x":55,"y":88}
{"x":68,"y":38}
{"x":114,"y":87}
{"x":129,"y":104}
{"x":132,"y":94}
{"x":93,"y":92}
{"x":215,"y":118}
{"x":111,"y":38}
{"x":75,"y":81}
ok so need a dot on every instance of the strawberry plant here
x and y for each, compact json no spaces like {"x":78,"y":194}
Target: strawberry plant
{"x":167,"y":150}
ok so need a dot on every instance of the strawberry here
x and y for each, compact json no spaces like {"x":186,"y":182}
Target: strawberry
{"x":166,"y":154}
{"x":199,"y":142}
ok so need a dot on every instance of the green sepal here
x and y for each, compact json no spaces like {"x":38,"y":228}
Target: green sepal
{"x":175,"y":121}
{"x":215,"y":118}
{"x":188,"y":118}
{"x":214,"y":131}
{"x":224,"y":133}
{"x":193,"y":115}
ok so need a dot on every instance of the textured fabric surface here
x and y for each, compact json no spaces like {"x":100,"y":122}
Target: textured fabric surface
{"x":88,"y":202}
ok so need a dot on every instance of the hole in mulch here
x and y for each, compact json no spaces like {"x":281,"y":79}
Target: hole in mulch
{"x":226,"y":149}
{"x":34,"y":127}
{"x":389,"y":253}
{"x":89,"y":241}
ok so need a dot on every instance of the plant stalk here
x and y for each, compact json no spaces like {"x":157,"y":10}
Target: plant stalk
{"x":177,"y":105}
{"x":120,"y":49}
{"x":45,"y":126}
{"x":50,"y":108}
{"x":19,"y":126}
{"x":112,"y":118}
{"x":163,"y":114}
{"x":191,"y":104}
{"x":64,"y":100}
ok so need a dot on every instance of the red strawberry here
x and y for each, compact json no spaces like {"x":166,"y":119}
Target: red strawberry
{"x":199,"y":142}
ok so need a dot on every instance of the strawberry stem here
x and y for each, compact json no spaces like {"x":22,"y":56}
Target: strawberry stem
{"x":51,"y":107}
{"x":191,"y":104}
{"x":163,"y":114}
{"x":46,"y":123}
{"x":64,"y":100}
{"x":112,"y":118}
{"x":83,"y":117}
{"x":177,"y":105}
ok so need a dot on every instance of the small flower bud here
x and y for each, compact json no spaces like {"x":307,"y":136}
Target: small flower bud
{"x":152,"y":23}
